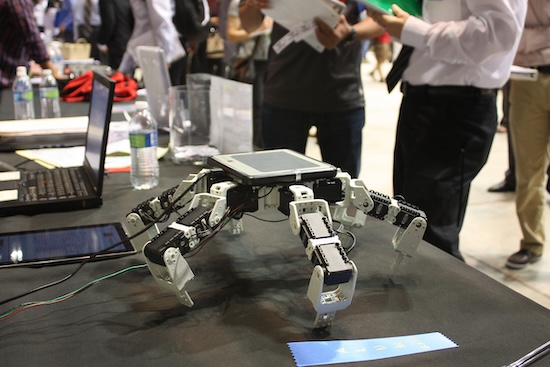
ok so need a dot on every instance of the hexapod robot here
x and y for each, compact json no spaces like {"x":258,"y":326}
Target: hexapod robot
{"x":311,"y":193}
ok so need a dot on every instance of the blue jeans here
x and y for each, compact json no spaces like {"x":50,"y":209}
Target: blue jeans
{"x":339,"y":134}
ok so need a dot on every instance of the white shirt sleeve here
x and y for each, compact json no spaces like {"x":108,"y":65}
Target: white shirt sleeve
{"x":165,"y":33}
{"x":458,"y":42}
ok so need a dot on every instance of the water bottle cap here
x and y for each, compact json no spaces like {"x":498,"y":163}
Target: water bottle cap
{"x":141,"y":105}
{"x":47,"y":72}
{"x":21,"y":70}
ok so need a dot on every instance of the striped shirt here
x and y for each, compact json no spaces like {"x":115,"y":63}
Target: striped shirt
{"x":20,"y":39}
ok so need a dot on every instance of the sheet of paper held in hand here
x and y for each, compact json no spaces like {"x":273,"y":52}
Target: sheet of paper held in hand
{"x":523,"y":73}
{"x":297,"y":17}
{"x":412,"y":7}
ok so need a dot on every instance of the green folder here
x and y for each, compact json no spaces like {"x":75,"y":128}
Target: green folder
{"x":412,"y":7}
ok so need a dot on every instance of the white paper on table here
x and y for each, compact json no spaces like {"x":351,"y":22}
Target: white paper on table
{"x":55,"y":157}
{"x":117,"y":154}
{"x":74,"y":157}
{"x":118,"y":141}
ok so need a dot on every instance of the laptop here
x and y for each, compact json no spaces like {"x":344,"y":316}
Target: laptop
{"x":269,"y":167}
{"x":157,"y":83}
{"x":42,"y":133}
{"x":63,"y":189}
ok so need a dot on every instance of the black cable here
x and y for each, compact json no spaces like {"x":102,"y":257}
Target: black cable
{"x":80,"y":265}
{"x":267,"y":220}
{"x":341,"y":229}
{"x":93,"y":256}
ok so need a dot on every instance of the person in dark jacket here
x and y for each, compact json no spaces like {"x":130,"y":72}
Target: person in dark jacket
{"x":117,"y":23}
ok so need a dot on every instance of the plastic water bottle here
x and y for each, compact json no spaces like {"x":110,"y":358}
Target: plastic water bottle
{"x":144,"y":171}
{"x":56,"y":57}
{"x":23,"y":97}
{"x":49,"y":96}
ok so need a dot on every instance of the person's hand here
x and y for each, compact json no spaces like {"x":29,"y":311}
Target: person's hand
{"x":251,"y":14}
{"x":104,"y":49}
{"x":331,"y":37}
{"x":267,"y":24}
{"x":392,"y":23}
{"x":215,"y":21}
{"x":59,"y":75}
{"x":191,"y":47}
{"x":34,"y":68}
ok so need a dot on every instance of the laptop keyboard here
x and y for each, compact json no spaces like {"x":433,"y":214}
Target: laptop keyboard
{"x":60,"y":183}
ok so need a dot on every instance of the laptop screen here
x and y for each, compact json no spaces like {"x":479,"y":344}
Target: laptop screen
{"x":101,"y":102}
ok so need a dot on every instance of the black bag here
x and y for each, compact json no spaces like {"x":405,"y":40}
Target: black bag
{"x":188,"y":18}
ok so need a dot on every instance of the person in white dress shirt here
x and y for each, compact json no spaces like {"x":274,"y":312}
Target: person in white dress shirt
{"x":463,"y":52}
{"x":153,"y":26}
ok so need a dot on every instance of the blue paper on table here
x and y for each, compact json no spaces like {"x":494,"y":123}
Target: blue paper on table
{"x":345,"y":351}
{"x":412,"y":7}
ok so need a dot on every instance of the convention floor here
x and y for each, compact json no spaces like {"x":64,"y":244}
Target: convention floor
{"x":491,"y":231}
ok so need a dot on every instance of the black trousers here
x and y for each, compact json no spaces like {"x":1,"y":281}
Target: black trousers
{"x":444,"y":136}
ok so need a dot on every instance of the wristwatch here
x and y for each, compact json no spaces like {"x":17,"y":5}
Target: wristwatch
{"x":349,"y":40}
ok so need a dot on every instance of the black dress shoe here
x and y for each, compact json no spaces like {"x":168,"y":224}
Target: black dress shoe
{"x":504,"y":186}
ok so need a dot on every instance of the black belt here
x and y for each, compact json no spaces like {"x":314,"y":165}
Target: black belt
{"x":449,"y":90}
{"x":544,"y":69}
